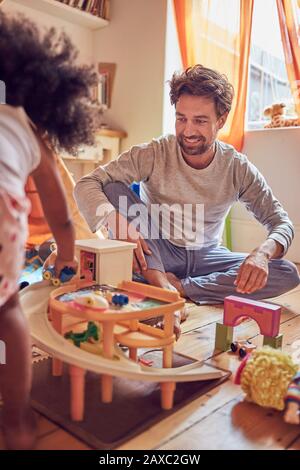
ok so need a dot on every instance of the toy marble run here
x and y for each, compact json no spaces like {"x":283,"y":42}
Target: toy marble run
{"x":82,"y":324}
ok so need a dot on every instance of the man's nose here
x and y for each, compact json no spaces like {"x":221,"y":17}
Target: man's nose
{"x":189,"y":129}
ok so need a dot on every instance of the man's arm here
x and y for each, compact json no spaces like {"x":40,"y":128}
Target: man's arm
{"x":258,"y":198}
{"x":134,"y":165}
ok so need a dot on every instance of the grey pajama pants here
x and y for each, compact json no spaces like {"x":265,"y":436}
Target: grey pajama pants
{"x":207,"y":275}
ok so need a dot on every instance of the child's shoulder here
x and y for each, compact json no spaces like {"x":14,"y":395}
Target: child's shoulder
{"x":18,"y":131}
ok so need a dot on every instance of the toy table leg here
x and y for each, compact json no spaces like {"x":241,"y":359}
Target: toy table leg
{"x":77,"y":392}
{"x":169,"y":332}
{"x":167,"y":389}
{"x":108,"y":352}
{"x":57,"y":364}
{"x":133,"y":351}
{"x":133,"y":354}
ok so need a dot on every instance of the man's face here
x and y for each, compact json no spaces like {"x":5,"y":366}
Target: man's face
{"x":197,"y":124}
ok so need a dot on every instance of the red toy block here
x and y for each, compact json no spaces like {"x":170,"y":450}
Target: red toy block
{"x":267,"y":316}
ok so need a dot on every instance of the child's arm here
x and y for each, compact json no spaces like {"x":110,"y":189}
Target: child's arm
{"x":53,"y":199}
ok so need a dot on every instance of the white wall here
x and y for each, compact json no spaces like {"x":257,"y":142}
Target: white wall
{"x":173,"y":63}
{"x":275,"y":152}
{"x":134,"y":40}
{"x":81,"y":37}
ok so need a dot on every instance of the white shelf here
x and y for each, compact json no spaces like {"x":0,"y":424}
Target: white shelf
{"x":65,"y":12}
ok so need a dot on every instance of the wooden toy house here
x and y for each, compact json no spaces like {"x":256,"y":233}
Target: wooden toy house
{"x":105,"y":261}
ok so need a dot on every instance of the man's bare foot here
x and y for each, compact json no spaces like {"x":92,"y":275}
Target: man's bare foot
{"x":175,"y":283}
{"x":166,"y":281}
{"x":19,"y":430}
{"x":180,"y":317}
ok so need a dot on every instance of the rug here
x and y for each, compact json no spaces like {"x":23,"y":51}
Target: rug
{"x":135,"y":406}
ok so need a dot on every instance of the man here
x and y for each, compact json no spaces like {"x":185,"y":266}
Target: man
{"x":192,"y":168}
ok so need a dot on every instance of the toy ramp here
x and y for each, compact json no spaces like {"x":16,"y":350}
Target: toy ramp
{"x":34,"y":301}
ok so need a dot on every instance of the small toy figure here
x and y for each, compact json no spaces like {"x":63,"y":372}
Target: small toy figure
{"x":270,"y":378}
{"x":276,"y":113}
{"x":120,"y":299}
{"x":90,"y":334}
{"x":292,"y":401}
{"x":65,"y":275}
{"x":242,"y":348}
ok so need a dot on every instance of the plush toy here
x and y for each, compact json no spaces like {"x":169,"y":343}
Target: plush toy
{"x":270,"y":379}
{"x":276,"y":113}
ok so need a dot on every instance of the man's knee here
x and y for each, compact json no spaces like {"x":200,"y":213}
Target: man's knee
{"x":291,"y":275}
{"x":113,"y":190}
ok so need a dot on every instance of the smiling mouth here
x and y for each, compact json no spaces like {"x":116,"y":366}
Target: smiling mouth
{"x":192,"y":141}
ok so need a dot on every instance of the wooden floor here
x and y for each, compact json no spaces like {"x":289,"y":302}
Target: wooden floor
{"x":219,"y":419}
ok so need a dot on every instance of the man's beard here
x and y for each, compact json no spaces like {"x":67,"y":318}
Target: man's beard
{"x":199,"y":149}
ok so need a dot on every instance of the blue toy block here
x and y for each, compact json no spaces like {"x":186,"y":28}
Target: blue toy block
{"x":120,"y":299}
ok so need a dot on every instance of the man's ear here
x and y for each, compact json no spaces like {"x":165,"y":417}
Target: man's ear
{"x":222,"y":120}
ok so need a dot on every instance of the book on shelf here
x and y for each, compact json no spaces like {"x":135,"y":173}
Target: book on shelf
{"x":107,"y":73}
{"x":98,"y":8}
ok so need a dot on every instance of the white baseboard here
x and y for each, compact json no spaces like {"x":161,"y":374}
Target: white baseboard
{"x":247,"y":234}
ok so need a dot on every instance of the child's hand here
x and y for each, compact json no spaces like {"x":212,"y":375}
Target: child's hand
{"x":60,"y":264}
{"x":55,"y":260}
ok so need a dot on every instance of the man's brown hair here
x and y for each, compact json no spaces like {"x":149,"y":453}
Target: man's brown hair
{"x":202,"y":81}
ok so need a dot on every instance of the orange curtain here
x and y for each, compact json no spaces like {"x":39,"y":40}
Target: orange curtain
{"x":217,"y":34}
{"x":290,"y":35}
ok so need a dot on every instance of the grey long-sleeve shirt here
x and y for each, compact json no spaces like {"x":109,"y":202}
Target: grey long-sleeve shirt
{"x":167,"y":179}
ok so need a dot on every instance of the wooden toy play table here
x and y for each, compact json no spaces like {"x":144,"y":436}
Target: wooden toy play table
{"x":119,"y":325}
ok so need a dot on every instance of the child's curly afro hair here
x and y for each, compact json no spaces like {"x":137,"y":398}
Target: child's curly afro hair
{"x":41,"y":75}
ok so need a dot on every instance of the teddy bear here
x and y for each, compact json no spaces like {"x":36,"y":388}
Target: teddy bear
{"x":276,"y":113}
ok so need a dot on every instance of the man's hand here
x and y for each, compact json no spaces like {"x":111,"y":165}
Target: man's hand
{"x":253,"y":273}
{"x":126,"y":231}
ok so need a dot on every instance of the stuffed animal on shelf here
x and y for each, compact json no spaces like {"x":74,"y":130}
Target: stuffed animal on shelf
{"x":271,"y":379}
{"x":276,"y":113}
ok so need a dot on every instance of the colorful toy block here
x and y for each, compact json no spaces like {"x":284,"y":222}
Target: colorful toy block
{"x":224,"y":337}
{"x":267,"y":316}
{"x":273,"y":341}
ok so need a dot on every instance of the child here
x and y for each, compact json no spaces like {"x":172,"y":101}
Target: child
{"x":48,"y":108}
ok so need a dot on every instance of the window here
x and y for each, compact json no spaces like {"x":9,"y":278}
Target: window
{"x":268,"y":81}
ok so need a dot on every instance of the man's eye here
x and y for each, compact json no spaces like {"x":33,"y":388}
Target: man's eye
{"x":180,"y":119}
{"x":200,"y":121}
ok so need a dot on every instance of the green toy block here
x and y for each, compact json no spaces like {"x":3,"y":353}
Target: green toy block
{"x":224,"y":337}
{"x":273,"y":341}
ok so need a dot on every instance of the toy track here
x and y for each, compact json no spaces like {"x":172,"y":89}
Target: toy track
{"x":34,"y":301}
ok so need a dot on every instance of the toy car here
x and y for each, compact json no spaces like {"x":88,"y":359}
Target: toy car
{"x":242,"y":348}
{"x":65,"y":275}
{"x":120,"y":299}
